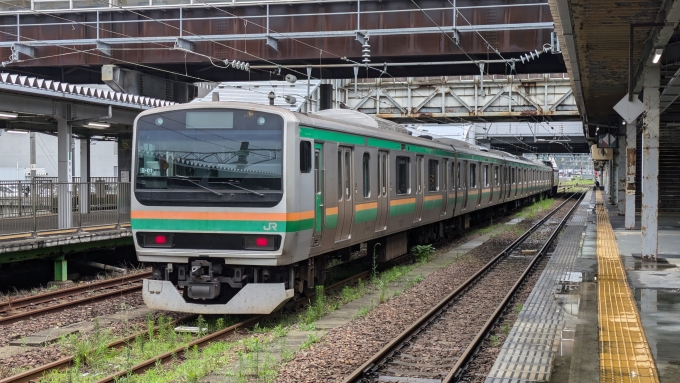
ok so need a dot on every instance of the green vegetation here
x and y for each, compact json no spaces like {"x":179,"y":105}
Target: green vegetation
{"x":494,"y":340}
{"x":505,"y":329}
{"x":519,"y":308}
{"x":422,"y":253}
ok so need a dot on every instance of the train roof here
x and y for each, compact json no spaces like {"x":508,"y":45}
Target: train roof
{"x":357,"y":123}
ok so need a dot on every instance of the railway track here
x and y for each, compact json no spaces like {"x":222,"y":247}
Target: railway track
{"x":67,"y":362}
{"x":36,"y":373}
{"x":15,"y":310}
{"x":440,"y":344}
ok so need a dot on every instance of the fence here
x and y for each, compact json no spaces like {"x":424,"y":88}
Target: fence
{"x":45,"y":205}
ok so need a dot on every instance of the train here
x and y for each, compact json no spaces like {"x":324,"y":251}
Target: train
{"x":240,"y":207}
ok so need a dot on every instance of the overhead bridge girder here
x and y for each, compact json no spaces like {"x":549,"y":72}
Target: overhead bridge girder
{"x":137,"y":83}
{"x":466,"y":97}
{"x":288,"y":32}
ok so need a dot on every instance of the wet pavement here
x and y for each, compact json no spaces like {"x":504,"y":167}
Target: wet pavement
{"x":656,"y":288}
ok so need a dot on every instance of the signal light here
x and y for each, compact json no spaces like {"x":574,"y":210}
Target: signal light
{"x":161,"y":240}
{"x":261,"y":242}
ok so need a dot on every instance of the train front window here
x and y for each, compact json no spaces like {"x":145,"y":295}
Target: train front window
{"x":223,"y":157}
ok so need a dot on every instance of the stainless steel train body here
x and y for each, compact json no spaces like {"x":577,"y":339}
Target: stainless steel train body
{"x":241,"y":205}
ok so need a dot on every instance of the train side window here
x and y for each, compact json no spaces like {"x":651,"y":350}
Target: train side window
{"x":496,"y":181}
{"x":339,"y":175}
{"x":348,"y":169}
{"x":433,"y":176}
{"x":367,"y":177}
{"x":305,"y":156}
{"x":460,"y":185}
{"x":452,"y":169}
{"x":473,"y":175}
{"x":513,"y":176}
{"x":317,"y":171}
{"x":403,"y":175}
{"x":486,"y":175}
{"x":384,"y":174}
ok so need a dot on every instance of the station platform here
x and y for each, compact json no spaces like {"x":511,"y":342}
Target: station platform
{"x":596,"y":313}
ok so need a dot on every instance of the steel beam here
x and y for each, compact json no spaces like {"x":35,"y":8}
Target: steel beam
{"x":64,"y":174}
{"x":631,"y":160}
{"x":284,"y":35}
{"x":621,"y":176}
{"x":84,"y":189}
{"x":650,"y":164}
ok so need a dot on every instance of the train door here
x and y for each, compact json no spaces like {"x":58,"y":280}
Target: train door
{"x":445,"y":186}
{"x":318,"y":194}
{"x":419,"y":189}
{"x":383,"y":189}
{"x":345,"y":193}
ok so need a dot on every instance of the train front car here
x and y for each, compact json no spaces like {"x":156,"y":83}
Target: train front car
{"x":210,"y":211}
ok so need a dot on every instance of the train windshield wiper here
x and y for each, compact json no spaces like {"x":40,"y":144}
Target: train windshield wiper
{"x":239,"y":187}
{"x":196,"y":183}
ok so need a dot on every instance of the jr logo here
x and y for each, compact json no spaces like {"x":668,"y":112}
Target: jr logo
{"x":270,"y":227}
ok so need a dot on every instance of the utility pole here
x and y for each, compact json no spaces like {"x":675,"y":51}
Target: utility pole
{"x":32,"y":165}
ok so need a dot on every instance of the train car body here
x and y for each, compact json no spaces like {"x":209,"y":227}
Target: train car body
{"x":238,"y":207}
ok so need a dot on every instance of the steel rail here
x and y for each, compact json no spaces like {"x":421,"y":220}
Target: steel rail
{"x":13,"y":304}
{"x":358,"y":374}
{"x":469,"y":352}
{"x":36,"y":373}
{"x":66,"y":305}
{"x":67,"y":362}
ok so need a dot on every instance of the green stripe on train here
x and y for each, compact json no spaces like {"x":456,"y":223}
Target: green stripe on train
{"x":345,"y":138}
{"x":432,"y":204}
{"x":331,"y":221}
{"x":402,"y":209}
{"x":365,"y":215}
{"x":227,"y":226}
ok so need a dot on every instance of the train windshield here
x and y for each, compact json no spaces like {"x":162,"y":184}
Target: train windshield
{"x":204,"y":157}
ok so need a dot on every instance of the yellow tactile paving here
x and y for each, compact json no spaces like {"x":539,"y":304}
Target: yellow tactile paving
{"x":624,"y":353}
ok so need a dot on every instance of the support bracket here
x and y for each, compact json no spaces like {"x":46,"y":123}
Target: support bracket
{"x":456,"y":36}
{"x":184,"y":45}
{"x":23,"y":49}
{"x":272,"y":42}
{"x":104,"y":48}
{"x":361,"y":37}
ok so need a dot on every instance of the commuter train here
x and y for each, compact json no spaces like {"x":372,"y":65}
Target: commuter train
{"x":239,"y":207}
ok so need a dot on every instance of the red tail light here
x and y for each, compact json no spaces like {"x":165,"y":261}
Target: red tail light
{"x":260,"y":242}
{"x":161,"y":240}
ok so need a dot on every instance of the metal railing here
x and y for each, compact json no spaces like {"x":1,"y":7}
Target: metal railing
{"x":45,"y":205}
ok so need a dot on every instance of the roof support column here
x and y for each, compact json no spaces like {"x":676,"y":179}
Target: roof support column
{"x":621,"y":176}
{"x":65,"y":177}
{"x":631,"y":159}
{"x":650,"y":163}
{"x":84,"y":175}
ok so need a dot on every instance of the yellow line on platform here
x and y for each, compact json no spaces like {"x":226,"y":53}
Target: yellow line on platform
{"x":624,"y":353}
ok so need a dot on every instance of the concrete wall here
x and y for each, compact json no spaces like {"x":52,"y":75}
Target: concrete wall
{"x":15,"y":147}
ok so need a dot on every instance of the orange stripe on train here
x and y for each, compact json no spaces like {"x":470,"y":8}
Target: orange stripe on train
{"x":221,"y":216}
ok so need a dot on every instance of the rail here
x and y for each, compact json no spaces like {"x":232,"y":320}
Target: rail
{"x":376,"y":360}
{"x":44,"y":205}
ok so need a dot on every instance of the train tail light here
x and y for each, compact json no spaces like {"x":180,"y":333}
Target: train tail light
{"x":260,"y":242}
{"x":158,"y":240}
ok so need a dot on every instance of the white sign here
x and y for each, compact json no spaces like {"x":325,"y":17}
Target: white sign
{"x":124,"y":176}
{"x":629,"y":110}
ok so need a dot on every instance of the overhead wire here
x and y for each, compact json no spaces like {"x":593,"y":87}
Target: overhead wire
{"x":509,"y":63}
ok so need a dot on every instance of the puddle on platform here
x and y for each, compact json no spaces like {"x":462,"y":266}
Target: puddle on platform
{"x":660,"y":314}
{"x":631,"y":263}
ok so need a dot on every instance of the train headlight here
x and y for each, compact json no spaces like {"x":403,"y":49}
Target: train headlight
{"x":261,"y":242}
